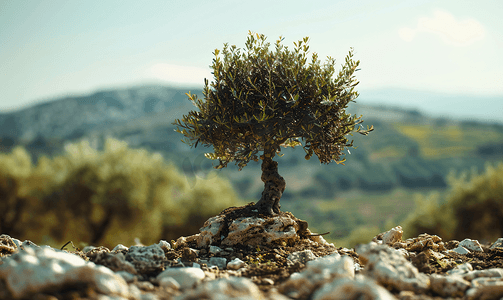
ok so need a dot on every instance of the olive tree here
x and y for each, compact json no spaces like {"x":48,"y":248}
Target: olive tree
{"x":261,"y":99}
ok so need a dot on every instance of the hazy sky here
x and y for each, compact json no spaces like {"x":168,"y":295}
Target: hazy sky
{"x":55,"y":48}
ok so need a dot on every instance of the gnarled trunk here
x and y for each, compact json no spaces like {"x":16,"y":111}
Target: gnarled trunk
{"x":274,"y":186}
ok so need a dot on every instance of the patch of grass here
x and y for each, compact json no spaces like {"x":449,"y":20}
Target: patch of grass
{"x":447,"y":141}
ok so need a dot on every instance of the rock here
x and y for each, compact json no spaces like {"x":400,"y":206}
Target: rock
{"x":186,"y":277}
{"x":461,"y":269}
{"x":301,"y":256}
{"x":114,"y":261}
{"x":7,"y":245}
{"x":494,"y":272}
{"x":393,"y":235}
{"x":119,"y":247}
{"x":36,"y":270}
{"x":215,"y":249}
{"x":220,"y":262}
{"x":225,"y":288}
{"x":461,"y":250}
{"x":449,"y":286}
{"x":243,"y":226}
{"x":164,"y":245}
{"x":128,"y":277}
{"x":146,"y":259}
{"x":424,"y":242}
{"x":169,"y":282}
{"x":347,"y":289}
{"x":316,"y":273}
{"x":320,"y":240}
{"x":190,"y":254}
{"x":472,"y":245}
{"x":236,"y":264}
{"x":498,"y":243}
{"x":210,"y":232}
{"x":257,"y":231}
{"x":145,"y":285}
{"x":485,"y":289}
{"x":389,"y":268}
{"x":389,"y":237}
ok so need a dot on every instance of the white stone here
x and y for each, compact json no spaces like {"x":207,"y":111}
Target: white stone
{"x":119,"y":247}
{"x":472,"y":245}
{"x":169,"y":282}
{"x":128,"y":277}
{"x":220,"y":262}
{"x":186,"y":277}
{"x":390,"y":269}
{"x":164,"y":245}
{"x":393,"y":235}
{"x":16,"y":241}
{"x":28,"y":243}
{"x":146,"y":259}
{"x":461,"y":250}
{"x":215,"y":249}
{"x":134,"y":292}
{"x":256,"y":231}
{"x":38,"y":269}
{"x":210,"y":232}
{"x":347,"y":288}
{"x":316,"y":273}
{"x":498,"y":243}
{"x":486,"y":288}
{"x":321,"y":240}
{"x":145,"y":285}
{"x":449,"y":286}
{"x":301,"y":257}
{"x":236,"y":264}
{"x":494,"y":272}
{"x":225,"y":289}
{"x":461,"y":269}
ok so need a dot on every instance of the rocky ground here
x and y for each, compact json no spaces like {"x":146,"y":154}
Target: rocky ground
{"x":241,"y":255}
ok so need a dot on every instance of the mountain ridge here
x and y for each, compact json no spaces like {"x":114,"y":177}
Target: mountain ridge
{"x":405,"y":149}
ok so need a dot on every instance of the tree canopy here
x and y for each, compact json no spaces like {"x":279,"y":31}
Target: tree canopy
{"x":261,"y":99}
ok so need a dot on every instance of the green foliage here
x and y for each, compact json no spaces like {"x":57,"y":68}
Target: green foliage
{"x":260,"y":100}
{"x":473,"y":208}
{"x":430,"y":216}
{"x":18,"y":186}
{"x":103,"y":197}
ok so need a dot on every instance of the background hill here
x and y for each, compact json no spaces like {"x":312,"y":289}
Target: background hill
{"x":407,"y":152}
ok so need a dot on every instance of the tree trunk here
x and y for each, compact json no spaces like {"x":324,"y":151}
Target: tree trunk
{"x":274,"y":186}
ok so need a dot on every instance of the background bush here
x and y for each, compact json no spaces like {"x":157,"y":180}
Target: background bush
{"x":472,"y":208}
{"x":104,"y":197}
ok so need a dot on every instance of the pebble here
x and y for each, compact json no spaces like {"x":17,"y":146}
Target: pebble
{"x":146,"y":259}
{"x":27,"y":269}
{"x":471,"y":245}
{"x":186,"y":277}
{"x":220,"y":262}
{"x":235,"y":264}
{"x":37,"y":269}
{"x":360,"y":287}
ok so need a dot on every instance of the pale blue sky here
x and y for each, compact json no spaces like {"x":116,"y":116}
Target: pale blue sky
{"x":55,"y":48}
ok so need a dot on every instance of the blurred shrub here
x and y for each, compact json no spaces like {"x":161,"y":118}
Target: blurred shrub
{"x":104,"y":197}
{"x":473,"y":208}
{"x":360,"y":235}
{"x":18,"y":188}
